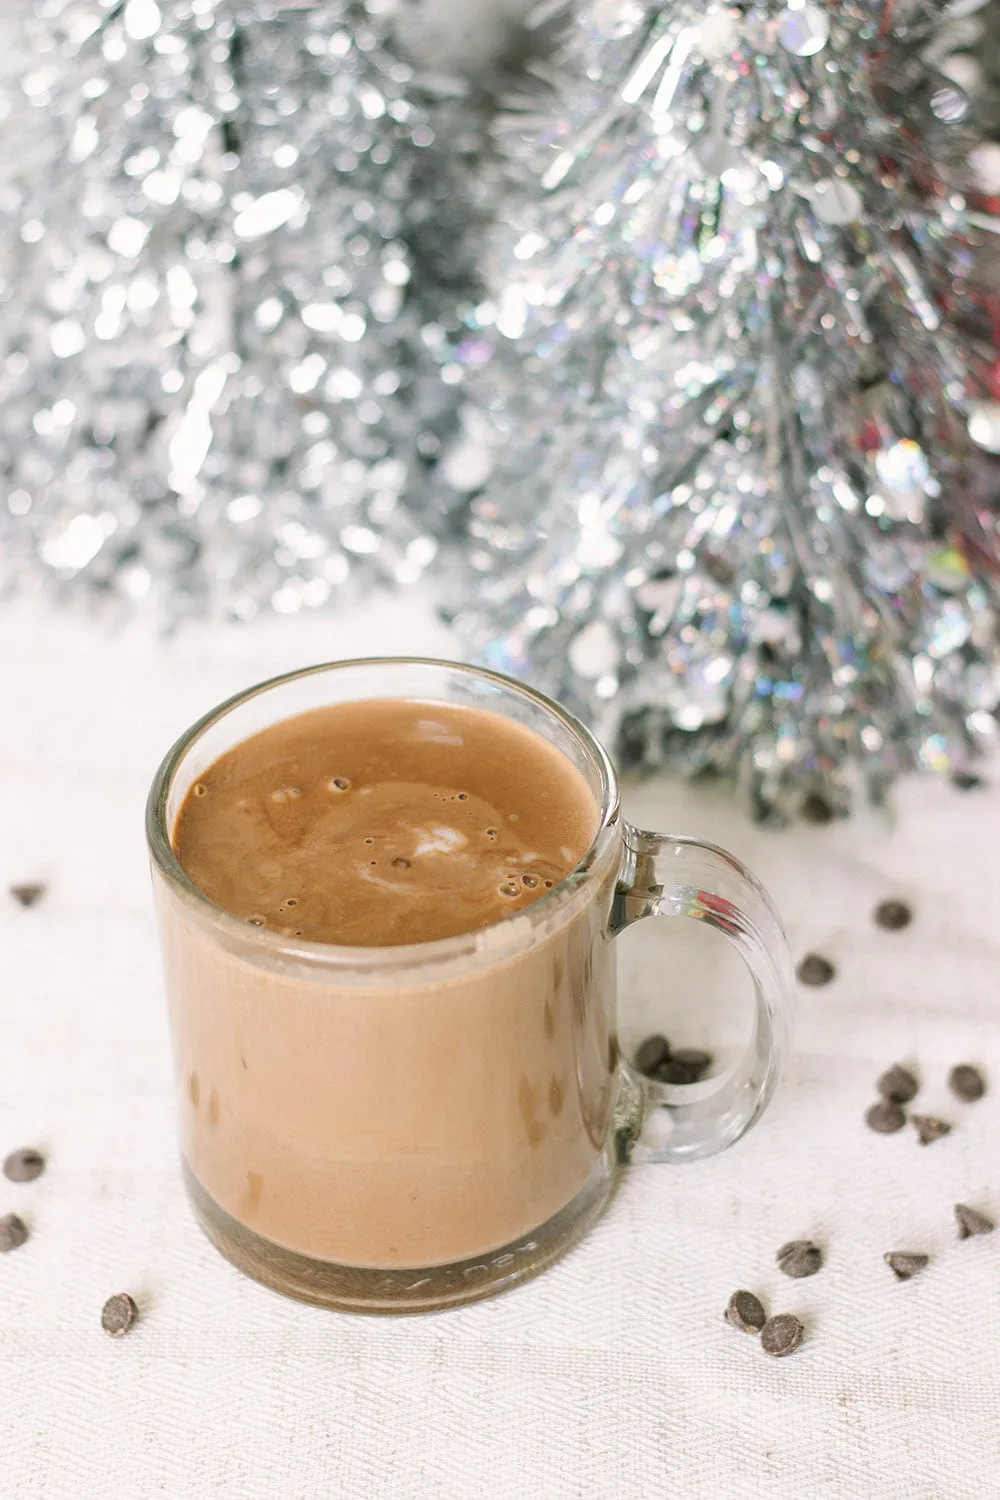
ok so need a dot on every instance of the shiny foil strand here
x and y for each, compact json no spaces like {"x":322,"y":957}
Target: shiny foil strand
{"x":235,"y":241}
{"x":739,"y":360}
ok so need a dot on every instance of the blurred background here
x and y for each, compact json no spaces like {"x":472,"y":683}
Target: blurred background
{"x":651,"y":348}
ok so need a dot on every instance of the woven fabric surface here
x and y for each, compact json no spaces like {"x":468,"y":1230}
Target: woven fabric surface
{"x":613,"y":1374}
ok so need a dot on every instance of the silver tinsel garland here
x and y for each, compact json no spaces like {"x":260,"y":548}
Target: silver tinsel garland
{"x":734,"y":520}
{"x":235,"y":236}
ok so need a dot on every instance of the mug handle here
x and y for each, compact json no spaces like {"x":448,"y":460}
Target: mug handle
{"x":663,"y":876}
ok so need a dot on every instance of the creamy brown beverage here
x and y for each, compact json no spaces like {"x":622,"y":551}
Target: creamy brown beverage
{"x":385,"y":822}
{"x":375,"y":1122}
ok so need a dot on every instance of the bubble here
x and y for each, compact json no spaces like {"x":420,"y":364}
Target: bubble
{"x":200,"y":789}
{"x":399,"y":863}
{"x":292,"y":901}
{"x":530,"y":881}
{"x":286,"y":794}
{"x":255,"y":921}
{"x":491,"y":833}
{"x":509,"y":888}
{"x":463,"y":796}
{"x":369,"y":841}
{"x":338,"y":784}
{"x":298,"y":932}
{"x":548,"y":885}
{"x":373,"y":861}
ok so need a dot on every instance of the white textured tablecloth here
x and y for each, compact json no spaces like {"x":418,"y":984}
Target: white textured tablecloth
{"x":612,"y":1375}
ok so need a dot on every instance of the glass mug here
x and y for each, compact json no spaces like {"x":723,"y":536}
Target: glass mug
{"x":405,"y":1128}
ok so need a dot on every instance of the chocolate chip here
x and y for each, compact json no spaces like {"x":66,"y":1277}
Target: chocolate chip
{"x":781,"y":1335}
{"x":971,"y":1221}
{"x":746,"y":1312}
{"x":685,"y":1065}
{"x":816,"y":809}
{"x":897,"y":1084}
{"x":967,"y":1083}
{"x":929,"y":1128}
{"x":815,"y":970}
{"x":24,"y":1165}
{"x":885,"y":1117}
{"x":13,"y":1232}
{"x":27,"y":895}
{"x":967,"y":781}
{"x":799,"y":1258}
{"x":893,"y":916}
{"x":118,"y":1314}
{"x":652,"y":1054}
{"x":904,"y":1264}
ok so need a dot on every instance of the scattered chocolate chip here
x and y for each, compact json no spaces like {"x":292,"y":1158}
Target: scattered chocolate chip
{"x":27,"y":895}
{"x":967,"y":781}
{"x":929,"y":1128}
{"x":893,"y":916}
{"x":781,"y":1335}
{"x":815,"y":970}
{"x":816,"y":809}
{"x":24,"y":1165}
{"x":799,"y":1258}
{"x":897,"y":1084}
{"x":967,"y":1083}
{"x":904,"y":1264}
{"x":652,"y":1054}
{"x":970,"y":1221}
{"x":13,"y":1232}
{"x":885,"y":1117}
{"x":685,"y":1065}
{"x":118,"y":1314}
{"x":746,"y":1312}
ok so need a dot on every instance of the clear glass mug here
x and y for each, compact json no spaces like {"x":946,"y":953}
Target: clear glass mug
{"x":405,"y":1128}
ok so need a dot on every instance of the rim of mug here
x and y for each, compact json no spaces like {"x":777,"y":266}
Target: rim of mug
{"x":484,"y":942}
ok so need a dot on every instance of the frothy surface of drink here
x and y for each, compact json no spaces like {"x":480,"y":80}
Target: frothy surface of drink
{"x":385,"y":822}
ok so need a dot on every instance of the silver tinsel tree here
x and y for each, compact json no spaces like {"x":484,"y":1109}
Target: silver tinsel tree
{"x":235,"y":238}
{"x":731,"y":520}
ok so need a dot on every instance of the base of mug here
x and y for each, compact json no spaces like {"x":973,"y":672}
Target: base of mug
{"x":367,"y":1290}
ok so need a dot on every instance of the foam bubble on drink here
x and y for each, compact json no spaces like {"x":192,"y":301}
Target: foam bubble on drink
{"x":340,"y":784}
{"x":286,"y":794}
{"x":200,"y":789}
{"x":439,"y":840}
